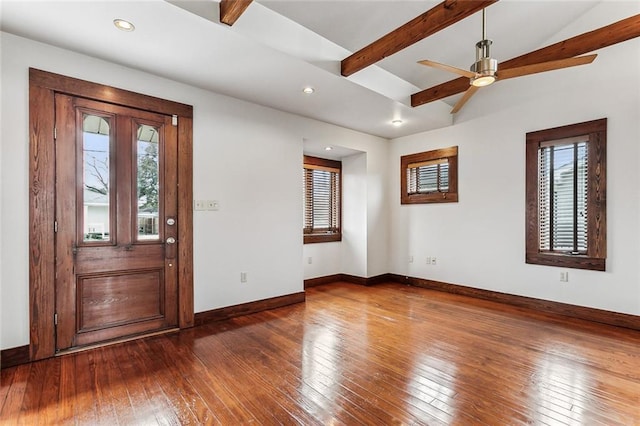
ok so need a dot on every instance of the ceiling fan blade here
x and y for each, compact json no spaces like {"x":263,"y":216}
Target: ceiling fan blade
{"x":600,"y":38}
{"x":544,"y":66}
{"x":449,"y":68}
{"x":463,"y":100}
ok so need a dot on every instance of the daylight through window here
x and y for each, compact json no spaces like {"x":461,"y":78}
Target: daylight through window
{"x":321,"y":200}
{"x":566,"y":196}
{"x":429,"y":177}
{"x":563,"y":196}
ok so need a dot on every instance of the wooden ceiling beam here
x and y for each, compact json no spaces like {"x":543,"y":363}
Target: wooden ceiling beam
{"x":230,"y":10}
{"x":609,"y":35}
{"x":439,"y":17}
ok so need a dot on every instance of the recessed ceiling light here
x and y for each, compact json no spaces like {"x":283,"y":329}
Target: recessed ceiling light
{"x":397,"y":122}
{"x":123,"y":25}
{"x":308,"y":90}
{"x":329,"y":148}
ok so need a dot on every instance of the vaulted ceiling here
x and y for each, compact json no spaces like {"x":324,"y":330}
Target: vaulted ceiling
{"x":275,"y":48}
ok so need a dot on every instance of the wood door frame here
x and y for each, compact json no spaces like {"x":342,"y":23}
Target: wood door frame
{"x":43,"y":86}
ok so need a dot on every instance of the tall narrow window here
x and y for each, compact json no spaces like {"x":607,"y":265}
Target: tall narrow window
{"x":563,"y":211}
{"x":148,"y":182}
{"x":429,"y":177}
{"x":96,"y":176}
{"x":321,"y":200}
{"x":566,"y":188}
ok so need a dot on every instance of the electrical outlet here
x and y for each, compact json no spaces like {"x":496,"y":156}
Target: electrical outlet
{"x":309,"y":260}
{"x":243,"y":277}
{"x":200,"y":205}
{"x":410,"y":259}
{"x":564,"y":277}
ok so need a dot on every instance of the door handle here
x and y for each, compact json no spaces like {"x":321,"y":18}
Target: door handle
{"x":170,"y":248}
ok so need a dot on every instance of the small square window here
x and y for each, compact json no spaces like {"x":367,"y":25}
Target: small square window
{"x":429,"y":177}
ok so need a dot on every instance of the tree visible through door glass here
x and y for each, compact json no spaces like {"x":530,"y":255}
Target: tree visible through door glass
{"x":95,"y":188}
{"x":148,"y":182}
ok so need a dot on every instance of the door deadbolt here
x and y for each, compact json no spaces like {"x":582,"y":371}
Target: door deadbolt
{"x":171,"y":221}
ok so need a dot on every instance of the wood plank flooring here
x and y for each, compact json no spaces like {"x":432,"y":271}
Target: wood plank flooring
{"x":382,"y":355}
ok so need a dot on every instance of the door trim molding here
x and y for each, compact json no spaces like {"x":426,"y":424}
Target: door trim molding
{"x":43,"y":86}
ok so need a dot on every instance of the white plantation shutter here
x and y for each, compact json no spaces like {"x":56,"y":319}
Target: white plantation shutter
{"x":562,"y":198}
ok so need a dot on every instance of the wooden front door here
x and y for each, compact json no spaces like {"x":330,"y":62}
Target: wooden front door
{"x":116,"y":222}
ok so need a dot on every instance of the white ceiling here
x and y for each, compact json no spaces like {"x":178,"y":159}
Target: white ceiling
{"x":278,"y":47}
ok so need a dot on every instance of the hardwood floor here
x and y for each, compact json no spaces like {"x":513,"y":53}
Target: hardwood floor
{"x":388,"y":354}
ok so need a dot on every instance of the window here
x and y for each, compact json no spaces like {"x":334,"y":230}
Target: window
{"x":429,"y":177}
{"x":566,"y":196}
{"x":322,"y":200}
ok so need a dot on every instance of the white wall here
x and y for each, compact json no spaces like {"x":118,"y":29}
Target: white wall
{"x":258,"y":227}
{"x":1,"y":198}
{"x":480,"y":241}
{"x":355,"y":215}
{"x":378,"y":203}
{"x":349,"y":255}
{"x":363,"y":251}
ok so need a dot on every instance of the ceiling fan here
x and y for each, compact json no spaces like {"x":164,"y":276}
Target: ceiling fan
{"x":484,"y":70}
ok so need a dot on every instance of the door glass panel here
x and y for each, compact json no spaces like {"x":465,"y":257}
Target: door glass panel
{"x":95,"y":178}
{"x":148,"y":183}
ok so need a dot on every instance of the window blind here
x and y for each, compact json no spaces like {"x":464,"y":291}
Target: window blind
{"x":321,"y":199}
{"x":562,"y":198}
{"x":566,"y":193}
{"x":428,"y":176}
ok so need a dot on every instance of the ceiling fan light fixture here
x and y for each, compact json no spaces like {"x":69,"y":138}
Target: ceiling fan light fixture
{"x":483,"y":80}
{"x":485,"y":66}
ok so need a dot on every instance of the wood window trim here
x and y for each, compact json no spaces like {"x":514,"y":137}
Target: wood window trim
{"x":43,"y":86}
{"x":317,"y":238}
{"x":331,"y":164}
{"x":595,"y":259}
{"x":451,"y":196}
